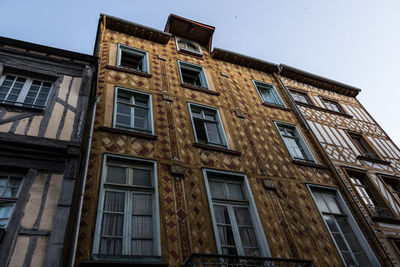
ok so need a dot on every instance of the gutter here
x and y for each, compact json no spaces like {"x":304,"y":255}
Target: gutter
{"x":332,"y":167}
{"x":75,"y":232}
{"x":82,"y":190}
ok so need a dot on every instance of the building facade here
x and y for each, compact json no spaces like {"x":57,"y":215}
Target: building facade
{"x":44,"y":95}
{"x":363,"y":154}
{"x":201,"y":157}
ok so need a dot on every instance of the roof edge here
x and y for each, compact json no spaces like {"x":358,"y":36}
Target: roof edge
{"x":243,"y":60}
{"x":349,"y":90}
{"x":48,"y":50}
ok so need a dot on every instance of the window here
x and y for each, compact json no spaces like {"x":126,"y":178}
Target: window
{"x":294,"y":142}
{"x":368,"y":194}
{"x":188,"y":46}
{"x":127,"y":222}
{"x":393,"y":185}
{"x":10,"y":187}
{"x":268,"y":93}
{"x":364,"y":146}
{"x":207,"y":125}
{"x":132,"y":58}
{"x":133,"y":110}
{"x":24,"y":91}
{"x":192,"y":75}
{"x":348,"y":238}
{"x":332,"y":105}
{"x":300,"y":97}
{"x":237,"y":226}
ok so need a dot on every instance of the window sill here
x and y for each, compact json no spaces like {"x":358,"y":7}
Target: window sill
{"x":275,"y":106}
{"x":393,"y":219}
{"x":324,"y":109}
{"x":380,"y":161}
{"x":201,"y":89}
{"x":309,"y":164}
{"x":218,"y":149}
{"x":17,"y":107}
{"x":123,"y":260}
{"x":190,"y":53}
{"x":127,"y":132}
{"x":143,"y":74}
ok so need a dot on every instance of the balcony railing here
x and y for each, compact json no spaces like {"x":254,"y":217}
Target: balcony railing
{"x":211,"y":260}
{"x":380,"y":211}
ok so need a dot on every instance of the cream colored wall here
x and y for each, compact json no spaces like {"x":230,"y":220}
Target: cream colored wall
{"x":31,"y":213}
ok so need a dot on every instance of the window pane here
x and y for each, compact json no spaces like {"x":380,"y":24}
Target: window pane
{"x":243,"y":216}
{"x":124,"y":97}
{"x":112,"y":225}
{"x":235,"y":191}
{"x":124,"y":120}
{"x":15,"y":181}
{"x":5,"y":211}
{"x":111,"y":246}
{"x":116,"y":175}
{"x":142,"y":204}
{"x":142,"y":227}
{"x":142,"y":247}
{"x":213,"y":134}
{"x":217,"y":189}
{"x":192,"y":76}
{"x":141,"y":115}
{"x":221,"y":214}
{"x":332,"y":203}
{"x":349,"y":259}
{"x":200,"y":130}
{"x":3,"y":180}
{"x":142,"y":177}
{"x":114,"y":201}
{"x":321,"y":204}
{"x":11,"y":192}
{"x":132,"y":61}
{"x":124,"y":109}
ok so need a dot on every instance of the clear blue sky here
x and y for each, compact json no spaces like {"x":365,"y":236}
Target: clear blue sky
{"x":355,"y":42}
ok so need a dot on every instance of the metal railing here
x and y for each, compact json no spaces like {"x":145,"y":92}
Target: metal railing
{"x":215,"y":260}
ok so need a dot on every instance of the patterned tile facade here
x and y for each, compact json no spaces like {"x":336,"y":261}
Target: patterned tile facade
{"x":292,"y":224}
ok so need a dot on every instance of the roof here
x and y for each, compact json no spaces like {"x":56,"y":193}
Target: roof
{"x":134,"y":29}
{"x":47,"y":50}
{"x":318,"y":81}
{"x":242,"y":60}
{"x":190,"y":29}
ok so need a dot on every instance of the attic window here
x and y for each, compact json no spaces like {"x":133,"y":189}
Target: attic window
{"x":184,"y":45}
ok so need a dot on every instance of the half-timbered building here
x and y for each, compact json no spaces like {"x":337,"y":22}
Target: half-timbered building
{"x":363,"y":154}
{"x":201,"y":158}
{"x":44,"y":96}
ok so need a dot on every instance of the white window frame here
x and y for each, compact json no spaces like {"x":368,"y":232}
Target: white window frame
{"x":258,"y":229}
{"x":353,"y":224}
{"x":220,"y":126}
{"x":179,"y":39}
{"x":156,"y":208}
{"x":194,"y":67}
{"x":25,"y":90}
{"x":304,"y":146}
{"x":258,"y":84}
{"x":135,"y":51}
{"x":150,"y":111}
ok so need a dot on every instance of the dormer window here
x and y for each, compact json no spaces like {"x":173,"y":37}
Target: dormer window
{"x":184,"y":45}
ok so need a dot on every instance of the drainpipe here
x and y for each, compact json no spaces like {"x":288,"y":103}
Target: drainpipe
{"x":82,"y":189}
{"x":331,"y":165}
